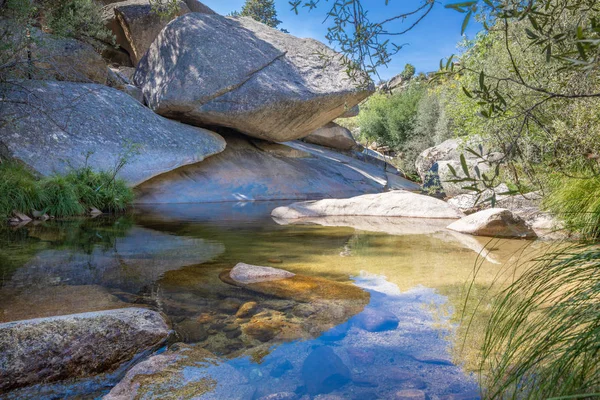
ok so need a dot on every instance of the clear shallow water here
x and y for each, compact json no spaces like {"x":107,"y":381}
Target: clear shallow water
{"x":169,"y":258}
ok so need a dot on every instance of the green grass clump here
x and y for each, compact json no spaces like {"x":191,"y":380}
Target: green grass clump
{"x":60,"y":195}
{"x":543,"y":338}
{"x":19,"y":190}
{"x":577,"y":202}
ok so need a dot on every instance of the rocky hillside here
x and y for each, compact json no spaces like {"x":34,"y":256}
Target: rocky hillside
{"x":213,"y":106}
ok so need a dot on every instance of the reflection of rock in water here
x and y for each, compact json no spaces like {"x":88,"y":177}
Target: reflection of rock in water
{"x":134,"y":261}
{"x":400,"y":226}
{"x":394,"y":348}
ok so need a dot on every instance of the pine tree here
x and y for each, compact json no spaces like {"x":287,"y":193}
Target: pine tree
{"x":261,"y":11}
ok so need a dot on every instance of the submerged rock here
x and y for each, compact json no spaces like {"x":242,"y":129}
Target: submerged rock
{"x":246,"y":273}
{"x":334,"y":136}
{"x":245,"y":75}
{"x":182,"y":372}
{"x":324,"y":371}
{"x":137,"y":259}
{"x":245,"y":172}
{"x":54,"y":126}
{"x":75,"y":346}
{"x":391,"y":204}
{"x":374,"y":320}
{"x":494,"y":222}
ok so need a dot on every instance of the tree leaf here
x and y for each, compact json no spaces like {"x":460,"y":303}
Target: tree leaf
{"x":463,"y":164}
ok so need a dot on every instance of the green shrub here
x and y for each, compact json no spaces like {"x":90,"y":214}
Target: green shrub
{"x":577,"y":202}
{"x":80,"y":19}
{"x":61,"y":195}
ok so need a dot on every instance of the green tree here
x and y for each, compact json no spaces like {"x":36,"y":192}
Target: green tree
{"x":261,"y":11}
{"x":408,"y":72}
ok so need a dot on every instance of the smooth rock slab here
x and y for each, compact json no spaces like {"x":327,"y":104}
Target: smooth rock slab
{"x":246,"y":273}
{"x":51,"y":126}
{"x":245,"y":75}
{"x":398,"y":203}
{"x":247,"y":172}
{"x":494,"y":222}
{"x":334,"y":136}
{"x":52,"y":349}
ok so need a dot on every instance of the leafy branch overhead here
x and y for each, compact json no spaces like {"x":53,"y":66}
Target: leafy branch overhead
{"x":366,"y":44}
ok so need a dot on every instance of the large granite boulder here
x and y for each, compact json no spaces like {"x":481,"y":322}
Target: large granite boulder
{"x":494,"y":222}
{"x":53,"y":126}
{"x":433,"y":165}
{"x":334,"y":136}
{"x":397,"y":203}
{"x":51,"y":57}
{"x":245,"y":75}
{"x":248,"y":170}
{"x":75,"y":346}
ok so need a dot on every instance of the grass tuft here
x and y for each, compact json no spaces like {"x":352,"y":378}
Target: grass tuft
{"x":60,"y":195}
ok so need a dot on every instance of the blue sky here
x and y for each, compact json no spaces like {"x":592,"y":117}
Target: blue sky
{"x":434,"y":38}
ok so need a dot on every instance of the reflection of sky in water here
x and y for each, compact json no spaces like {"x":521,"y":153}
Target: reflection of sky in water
{"x":352,"y":362}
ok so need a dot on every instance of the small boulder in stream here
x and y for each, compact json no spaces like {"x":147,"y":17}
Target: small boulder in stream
{"x":494,"y":222}
{"x":398,"y":203}
{"x":46,"y":350}
{"x":246,"y":273}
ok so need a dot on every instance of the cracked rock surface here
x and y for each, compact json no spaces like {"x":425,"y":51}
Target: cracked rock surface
{"x":238,"y":73}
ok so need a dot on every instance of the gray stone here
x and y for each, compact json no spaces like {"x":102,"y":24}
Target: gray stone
{"x":245,"y":75}
{"x":75,"y":346}
{"x":244,"y":172}
{"x":494,"y":222}
{"x":433,"y":164}
{"x":398,"y":203}
{"x":53,"y":58}
{"x":323,"y":371}
{"x":334,"y":136}
{"x":52,"y":126}
{"x":198,"y":7}
{"x":351,"y":112}
{"x":141,"y":25}
{"x":246,"y":273}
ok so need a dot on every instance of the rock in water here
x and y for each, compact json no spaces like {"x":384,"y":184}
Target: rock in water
{"x":245,"y":75}
{"x":373,"y":320}
{"x":323,"y":371}
{"x":398,"y":203}
{"x":52,"y":126}
{"x":495,"y":222}
{"x":246,"y":273}
{"x":75,"y":346}
{"x":332,"y":135}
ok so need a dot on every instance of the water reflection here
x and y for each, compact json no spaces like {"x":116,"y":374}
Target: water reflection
{"x":396,"y":347}
{"x":171,"y":258}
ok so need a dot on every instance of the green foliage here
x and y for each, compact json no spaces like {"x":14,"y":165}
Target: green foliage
{"x":389,"y":119}
{"x":19,"y":190}
{"x":542,"y":338}
{"x":60,"y":195}
{"x":408,"y":72}
{"x":80,"y":19}
{"x":261,"y":11}
{"x":577,"y":202}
